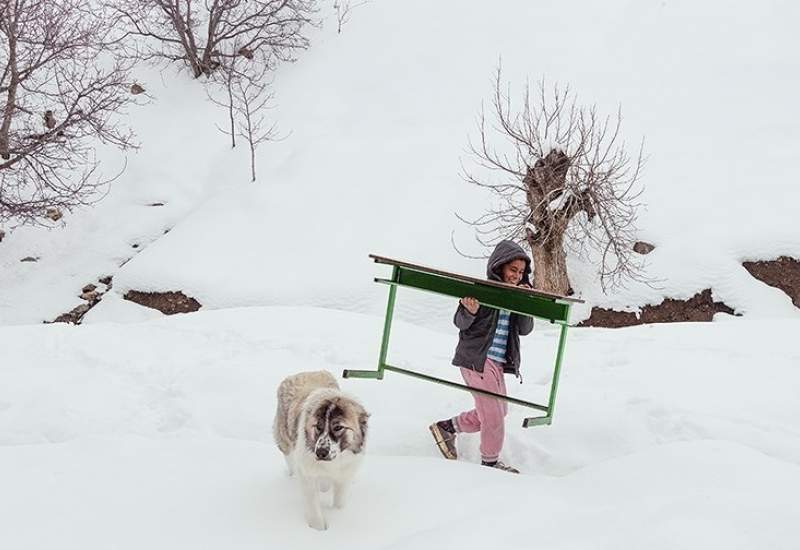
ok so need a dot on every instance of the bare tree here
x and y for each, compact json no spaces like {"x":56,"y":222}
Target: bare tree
{"x":201,"y":33}
{"x":343,"y":9}
{"x":247,"y":97}
{"x":252,"y":99}
{"x":566,"y":182}
{"x":56,"y":102}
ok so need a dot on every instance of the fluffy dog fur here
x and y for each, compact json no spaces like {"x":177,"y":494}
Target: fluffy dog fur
{"x":321,"y":433}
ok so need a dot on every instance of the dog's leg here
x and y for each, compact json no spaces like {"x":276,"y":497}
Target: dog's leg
{"x":289,"y":464}
{"x":339,"y":493}
{"x":313,"y":508}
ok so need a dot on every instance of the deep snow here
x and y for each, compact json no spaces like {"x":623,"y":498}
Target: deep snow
{"x":158,"y":433}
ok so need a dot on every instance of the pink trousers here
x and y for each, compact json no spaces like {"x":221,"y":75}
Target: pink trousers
{"x":488,"y":416}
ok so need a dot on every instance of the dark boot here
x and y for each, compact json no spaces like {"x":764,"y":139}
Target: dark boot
{"x":444,"y":433}
{"x":500,"y":466}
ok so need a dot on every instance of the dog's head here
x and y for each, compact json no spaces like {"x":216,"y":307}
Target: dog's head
{"x":335,"y":425}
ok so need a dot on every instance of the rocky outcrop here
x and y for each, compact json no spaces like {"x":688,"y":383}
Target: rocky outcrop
{"x":54,"y":214}
{"x":91,"y":295}
{"x":643,"y":248}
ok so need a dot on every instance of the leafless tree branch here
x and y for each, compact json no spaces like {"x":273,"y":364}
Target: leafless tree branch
{"x":247,"y":97}
{"x":344,"y":9}
{"x":565,"y":181}
{"x":60,"y":89}
{"x":201,"y":34}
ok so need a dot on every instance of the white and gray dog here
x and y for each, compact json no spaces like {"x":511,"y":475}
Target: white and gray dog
{"x":322,"y":433}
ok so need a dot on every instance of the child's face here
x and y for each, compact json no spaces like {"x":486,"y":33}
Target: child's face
{"x":513,"y":271}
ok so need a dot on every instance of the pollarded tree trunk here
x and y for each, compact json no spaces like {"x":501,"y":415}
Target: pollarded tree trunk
{"x":550,"y":268}
{"x":550,"y":214}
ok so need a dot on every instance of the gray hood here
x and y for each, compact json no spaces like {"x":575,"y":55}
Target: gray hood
{"x":504,"y":252}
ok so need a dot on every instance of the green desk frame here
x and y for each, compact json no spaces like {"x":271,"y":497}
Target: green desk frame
{"x":519,"y":300}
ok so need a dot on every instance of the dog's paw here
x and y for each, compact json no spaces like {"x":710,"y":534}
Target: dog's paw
{"x":318,"y":523}
{"x":289,"y":466}
{"x":339,"y":495}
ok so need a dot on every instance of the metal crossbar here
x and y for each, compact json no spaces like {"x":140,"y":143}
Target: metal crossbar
{"x":519,"y":300}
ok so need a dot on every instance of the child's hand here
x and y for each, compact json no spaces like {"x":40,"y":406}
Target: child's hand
{"x":471,"y":304}
{"x":525,"y":285}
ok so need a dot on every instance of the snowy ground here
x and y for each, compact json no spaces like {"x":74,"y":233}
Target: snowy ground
{"x":140,"y":431}
{"x":156,"y":434}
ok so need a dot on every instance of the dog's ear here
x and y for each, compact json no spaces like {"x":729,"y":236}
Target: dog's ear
{"x":359,"y":436}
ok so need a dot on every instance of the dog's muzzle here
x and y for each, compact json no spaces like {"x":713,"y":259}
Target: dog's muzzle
{"x":323,"y":453}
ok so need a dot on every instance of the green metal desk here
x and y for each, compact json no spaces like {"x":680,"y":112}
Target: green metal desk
{"x":522,"y":301}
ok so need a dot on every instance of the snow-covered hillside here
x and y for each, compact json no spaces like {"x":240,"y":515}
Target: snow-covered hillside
{"x":379,"y":117}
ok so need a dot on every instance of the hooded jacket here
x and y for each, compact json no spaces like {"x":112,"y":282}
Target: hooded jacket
{"x":476,"y":332}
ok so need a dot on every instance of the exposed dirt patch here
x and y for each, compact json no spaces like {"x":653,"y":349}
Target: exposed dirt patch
{"x":700,"y":307}
{"x":168,"y":303}
{"x":783,"y":273}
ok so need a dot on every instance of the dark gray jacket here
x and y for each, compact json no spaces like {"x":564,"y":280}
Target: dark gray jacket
{"x":476,"y":332}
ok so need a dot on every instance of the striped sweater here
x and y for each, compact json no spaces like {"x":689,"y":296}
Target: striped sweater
{"x":497,"y":351}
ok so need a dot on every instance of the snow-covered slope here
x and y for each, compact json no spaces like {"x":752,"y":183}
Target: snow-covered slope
{"x":379,"y":117}
{"x":174,"y":169}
